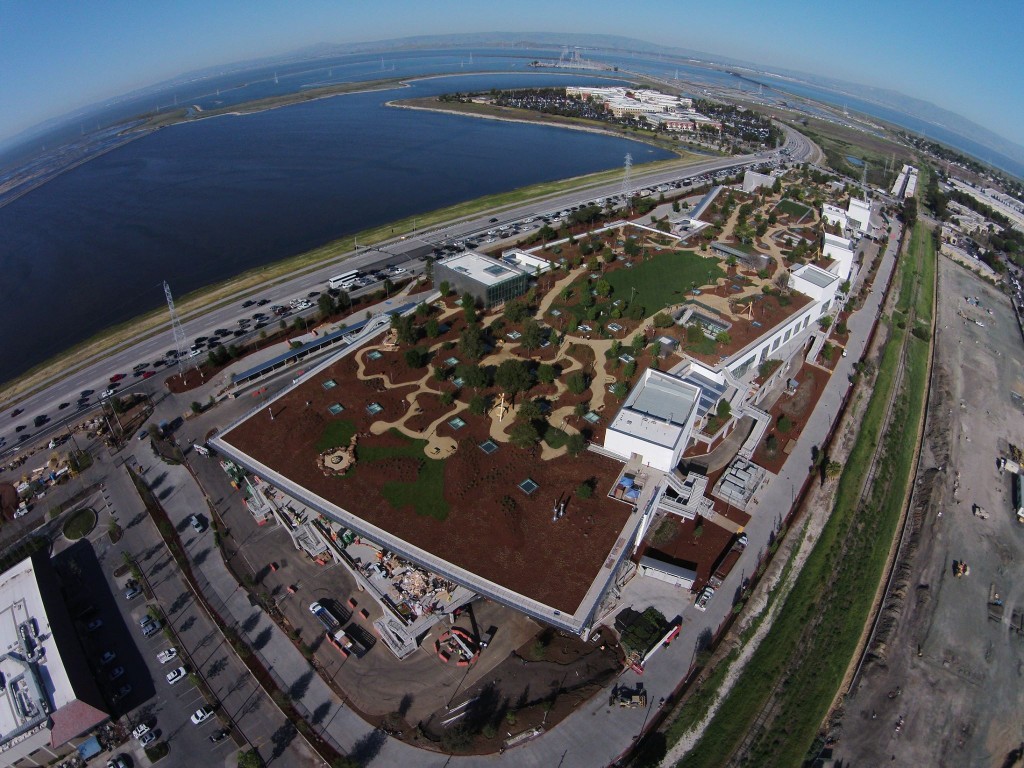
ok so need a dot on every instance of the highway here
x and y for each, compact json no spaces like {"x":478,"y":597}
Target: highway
{"x":67,"y":399}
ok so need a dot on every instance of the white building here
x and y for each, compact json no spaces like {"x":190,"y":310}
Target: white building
{"x":834,"y":215}
{"x":656,"y":421}
{"x":815,"y":282}
{"x":859,"y":215}
{"x":753,"y":180}
{"x":841,"y":251}
{"x":49,"y":702}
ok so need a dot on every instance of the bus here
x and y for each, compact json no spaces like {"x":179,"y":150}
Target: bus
{"x":343,"y":280}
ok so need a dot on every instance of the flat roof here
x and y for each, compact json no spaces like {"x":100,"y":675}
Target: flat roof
{"x":30,"y":692}
{"x":481,"y":268}
{"x":663,"y":396}
{"x":839,"y":242}
{"x":815,"y":275}
{"x":555,"y":571}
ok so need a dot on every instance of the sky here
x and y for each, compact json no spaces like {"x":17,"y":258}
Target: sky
{"x":965,"y":56}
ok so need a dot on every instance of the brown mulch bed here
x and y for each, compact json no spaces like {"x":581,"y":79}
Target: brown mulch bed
{"x":493,"y":528}
{"x":812,"y":383}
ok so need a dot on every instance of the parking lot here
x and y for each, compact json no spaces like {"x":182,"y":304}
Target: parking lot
{"x":166,"y":708}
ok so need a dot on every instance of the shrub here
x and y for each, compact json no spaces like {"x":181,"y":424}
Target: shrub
{"x":784,"y":424}
{"x":576,"y":382}
{"x":585,"y":490}
{"x":575,"y":444}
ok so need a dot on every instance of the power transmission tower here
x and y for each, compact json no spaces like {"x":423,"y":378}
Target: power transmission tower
{"x":180,"y":345}
{"x":627,"y":179}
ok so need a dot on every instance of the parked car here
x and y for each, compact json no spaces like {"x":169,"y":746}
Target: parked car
{"x":147,"y":739}
{"x":123,"y":691}
{"x":116,"y":673}
{"x":95,"y":624}
{"x":151,"y":629}
{"x":196,"y":523}
{"x":219,"y":735}
{"x":107,"y":657}
{"x":139,"y":730}
{"x":164,"y":656}
{"x":116,"y":378}
{"x":117,"y":761}
{"x":201,"y":715}
{"x":176,"y":675}
{"x":133,"y":591}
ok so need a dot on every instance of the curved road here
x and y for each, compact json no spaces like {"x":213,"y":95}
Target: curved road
{"x":94,"y":377}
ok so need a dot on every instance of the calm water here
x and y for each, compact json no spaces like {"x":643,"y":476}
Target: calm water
{"x":198,"y":203}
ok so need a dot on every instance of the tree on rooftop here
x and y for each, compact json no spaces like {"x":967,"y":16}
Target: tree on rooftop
{"x":417,"y":357}
{"x":471,"y":342}
{"x":523,"y":435}
{"x":444,"y":288}
{"x":432,"y":328}
{"x":516,"y":312}
{"x":546,"y":373}
{"x":478,"y":405}
{"x":469,"y":308}
{"x":532,"y":336}
{"x":575,"y":444}
{"x":576,"y":382}
{"x":620,"y":390}
{"x":513,"y":376}
{"x":724,"y":410}
{"x":530,"y":410}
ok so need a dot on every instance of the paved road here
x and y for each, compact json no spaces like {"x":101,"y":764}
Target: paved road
{"x":402,"y":251}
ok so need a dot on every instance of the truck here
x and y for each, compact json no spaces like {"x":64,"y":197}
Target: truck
{"x":342,"y":640}
{"x":1017,"y":495}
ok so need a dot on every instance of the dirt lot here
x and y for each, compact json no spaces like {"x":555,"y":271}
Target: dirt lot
{"x":939,"y":661}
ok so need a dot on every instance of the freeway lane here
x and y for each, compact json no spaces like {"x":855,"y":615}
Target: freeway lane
{"x":402,"y":251}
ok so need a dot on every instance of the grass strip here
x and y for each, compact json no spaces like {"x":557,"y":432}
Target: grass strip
{"x":804,"y":658}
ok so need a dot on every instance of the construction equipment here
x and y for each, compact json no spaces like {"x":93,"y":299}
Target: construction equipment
{"x":979,"y":512}
{"x":961,"y":569}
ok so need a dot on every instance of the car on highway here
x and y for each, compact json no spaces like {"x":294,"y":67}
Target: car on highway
{"x":247,"y":303}
{"x":62,"y":406}
{"x":201,"y":715}
{"x":41,"y":419}
{"x":176,"y":675}
{"x":262,"y":302}
{"x":493,"y":219}
{"x":109,"y":392}
{"x":116,"y":673}
{"x":20,"y":428}
{"x":164,"y":656}
{"x":148,"y":374}
{"x":116,"y":378}
{"x":17,"y":412}
{"x":312,"y":294}
{"x":107,"y":657}
{"x":140,"y":366}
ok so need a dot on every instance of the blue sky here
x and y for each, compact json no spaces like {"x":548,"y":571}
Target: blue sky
{"x":964,"y":56}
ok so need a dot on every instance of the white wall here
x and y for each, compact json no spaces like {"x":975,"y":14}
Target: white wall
{"x":656,"y":456}
{"x":841,"y":250}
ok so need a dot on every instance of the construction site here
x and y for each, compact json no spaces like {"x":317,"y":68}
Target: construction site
{"x":940,"y":681}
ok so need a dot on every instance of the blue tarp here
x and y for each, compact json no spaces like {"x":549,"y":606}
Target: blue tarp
{"x":89,"y":748}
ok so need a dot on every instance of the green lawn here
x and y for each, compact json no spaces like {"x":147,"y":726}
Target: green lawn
{"x":336,"y":434}
{"x":79,"y":524}
{"x":665,"y":279}
{"x":426,"y":494}
{"x":793,"y":209}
